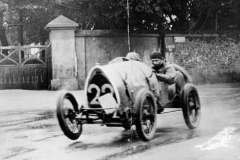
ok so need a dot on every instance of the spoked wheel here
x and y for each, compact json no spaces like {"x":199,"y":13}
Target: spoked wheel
{"x":191,"y":106}
{"x":67,"y":110}
{"x":145,"y":115}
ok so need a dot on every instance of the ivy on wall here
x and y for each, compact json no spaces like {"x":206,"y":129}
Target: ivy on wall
{"x":209,"y":56}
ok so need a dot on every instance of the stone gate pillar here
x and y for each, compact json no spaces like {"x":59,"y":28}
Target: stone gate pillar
{"x":64,"y":65}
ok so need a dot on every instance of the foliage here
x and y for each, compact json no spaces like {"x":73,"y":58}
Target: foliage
{"x":189,"y":16}
{"x":215,"y":15}
{"x":35,"y":15}
{"x":180,"y":16}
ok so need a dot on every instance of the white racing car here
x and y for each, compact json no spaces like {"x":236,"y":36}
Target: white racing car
{"x":122,"y":94}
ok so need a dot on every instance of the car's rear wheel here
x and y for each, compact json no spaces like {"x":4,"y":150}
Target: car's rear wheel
{"x":145,"y":115}
{"x":67,"y":109}
{"x":191,"y":106}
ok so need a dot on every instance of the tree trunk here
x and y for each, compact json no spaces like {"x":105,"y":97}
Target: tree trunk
{"x":3,"y":37}
{"x":21,"y":27}
{"x":21,"y":31}
{"x":216,"y":21}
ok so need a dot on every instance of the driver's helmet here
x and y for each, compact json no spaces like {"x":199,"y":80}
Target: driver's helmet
{"x":133,"y":56}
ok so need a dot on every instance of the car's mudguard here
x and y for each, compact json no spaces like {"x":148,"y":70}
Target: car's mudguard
{"x":186,"y":75}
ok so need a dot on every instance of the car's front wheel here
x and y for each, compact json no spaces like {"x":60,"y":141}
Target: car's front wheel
{"x":145,"y":115}
{"x":67,"y":110}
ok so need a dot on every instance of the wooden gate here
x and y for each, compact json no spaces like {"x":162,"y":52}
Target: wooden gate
{"x":25,"y":67}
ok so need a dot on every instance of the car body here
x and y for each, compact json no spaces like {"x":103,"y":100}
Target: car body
{"x":125,"y":93}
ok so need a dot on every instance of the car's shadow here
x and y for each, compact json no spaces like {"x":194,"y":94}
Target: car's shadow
{"x":162,"y":136}
{"x":129,"y":143}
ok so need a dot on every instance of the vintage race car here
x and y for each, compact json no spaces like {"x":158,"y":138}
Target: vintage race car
{"x":125,"y":93}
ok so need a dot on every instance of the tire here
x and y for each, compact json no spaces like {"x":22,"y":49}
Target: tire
{"x":145,"y":115}
{"x":191,"y":106}
{"x":66,"y":116}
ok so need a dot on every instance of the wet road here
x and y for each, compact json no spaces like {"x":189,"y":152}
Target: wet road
{"x":29,"y":130}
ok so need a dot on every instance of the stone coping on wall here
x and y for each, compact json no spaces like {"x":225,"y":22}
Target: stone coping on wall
{"x":110,"y":33}
{"x":193,"y":35}
{"x":61,"y":22}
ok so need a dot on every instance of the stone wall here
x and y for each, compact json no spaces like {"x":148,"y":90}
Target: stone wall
{"x":101,"y":46}
{"x":209,"y":59}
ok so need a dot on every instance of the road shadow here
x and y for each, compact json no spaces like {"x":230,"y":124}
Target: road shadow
{"x":121,"y":140}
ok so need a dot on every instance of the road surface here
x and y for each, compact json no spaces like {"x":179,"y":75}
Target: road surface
{"x":29,"y":131}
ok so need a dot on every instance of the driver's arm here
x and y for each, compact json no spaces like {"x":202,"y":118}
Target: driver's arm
{"x":169,"y":76}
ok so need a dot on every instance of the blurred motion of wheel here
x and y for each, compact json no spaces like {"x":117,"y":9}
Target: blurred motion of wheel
{"x":145,"y":115}
{"x":191,"y":106}
{"x":67,"y":109}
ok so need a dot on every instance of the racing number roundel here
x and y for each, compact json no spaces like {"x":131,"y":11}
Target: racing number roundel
{"x":95,"y":91}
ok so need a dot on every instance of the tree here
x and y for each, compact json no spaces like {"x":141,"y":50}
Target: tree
{"x":29,"y":17}
{"x":3,"y":38}
{"x":36,"y":17}
{"x":214,"y":15}
{"x":184,"y":15}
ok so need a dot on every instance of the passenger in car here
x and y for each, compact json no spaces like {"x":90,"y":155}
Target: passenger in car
{"x":133,"y":56}
{"x":130,"y":56}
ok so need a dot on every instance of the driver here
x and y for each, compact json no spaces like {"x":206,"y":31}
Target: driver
{"x":165,"y":72}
